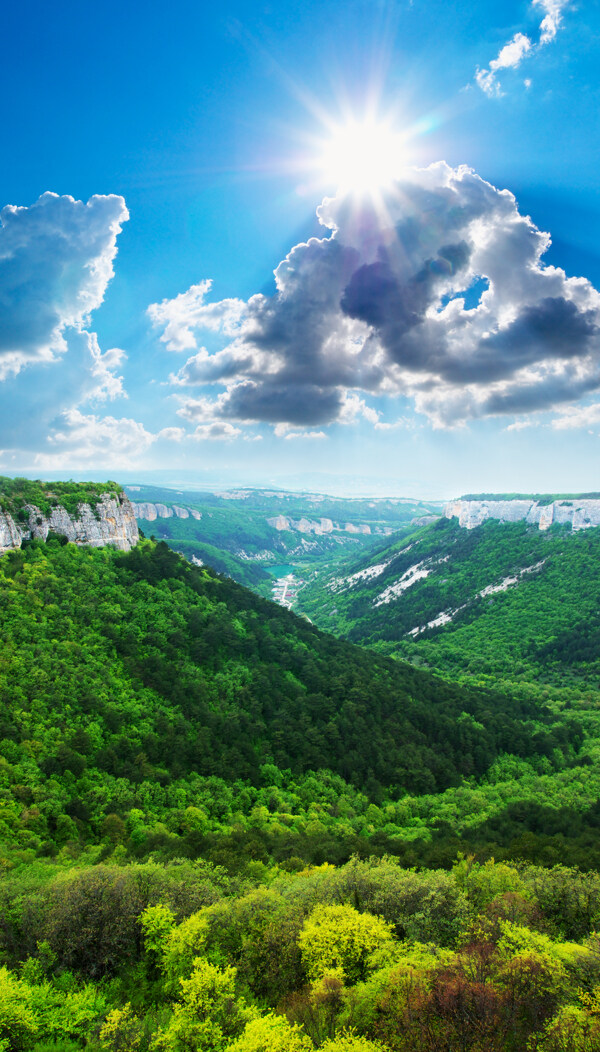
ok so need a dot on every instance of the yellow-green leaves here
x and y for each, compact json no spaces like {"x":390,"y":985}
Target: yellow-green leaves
{"x":338,"y":940}
{"x":271,"y":1033}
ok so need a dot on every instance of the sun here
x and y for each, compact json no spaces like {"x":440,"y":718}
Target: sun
{"x":363,"y":156}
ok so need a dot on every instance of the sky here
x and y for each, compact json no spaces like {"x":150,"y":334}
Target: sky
{"x":340,"y":246}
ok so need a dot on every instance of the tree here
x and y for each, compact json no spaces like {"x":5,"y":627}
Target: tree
{"x":339,"y":940}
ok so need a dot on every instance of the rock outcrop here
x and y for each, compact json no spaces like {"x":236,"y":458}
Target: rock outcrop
{"x":111,"y":522}
{"x":582,"y":513}
{"x":151,"y":512}
{"x":320,"y":528}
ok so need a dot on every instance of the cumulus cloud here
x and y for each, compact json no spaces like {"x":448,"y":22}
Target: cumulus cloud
{"x":305,"y":434}
{"x":56,"y":259}
{"x":437,"y":292}
{"x":217,"y":431}
{"x":88,"y":437}
{"x":511,"y":55}
{"x":178,"y":317}
{"x":172,"y":434}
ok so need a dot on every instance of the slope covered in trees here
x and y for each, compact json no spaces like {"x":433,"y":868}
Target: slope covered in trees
{"x":129,"y":682}
{"x":502,"y":602}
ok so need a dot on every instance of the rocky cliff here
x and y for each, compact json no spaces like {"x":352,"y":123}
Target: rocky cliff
{"x":151,"y":512}
{"x":581,"y":513}
{"x":111,"y":521}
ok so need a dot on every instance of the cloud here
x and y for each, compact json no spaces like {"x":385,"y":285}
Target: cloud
{"x":571,"y":417}
{"x":305,"y":434}
{"x":511,"y":55}
{"x":172,"y":434}
{"x":552,"y":20}
{"x":88,"y":438}
{"x":56,"y":259}
{"x":217,"y":431}
{"x":179,"y":316}
{"x":378,"y":307}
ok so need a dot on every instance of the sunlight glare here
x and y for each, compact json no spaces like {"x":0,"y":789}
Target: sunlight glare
{"x":363,"y":156}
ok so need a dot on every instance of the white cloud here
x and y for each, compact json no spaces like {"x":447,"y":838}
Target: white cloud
{"x":56,"y":259}
{"x":87,"y":438}
{"x":379,"y":308}
{"x":572,"y":417}
{"x":511,"y":55}
{"x":552,"y":20}
{"x":305,"y":434}
{"x":216,"y":431}
{"x":172,"y":434}
{"x":178,"y":317}
{"x":521,"y":425}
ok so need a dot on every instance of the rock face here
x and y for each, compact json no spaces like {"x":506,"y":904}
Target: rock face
{"x":112,"y":522}
{"x":151,"y":512}
{"x":320,"y":528}
{"x":581,"y":513}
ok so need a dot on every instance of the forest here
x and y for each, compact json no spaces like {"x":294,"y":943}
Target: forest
{"x":224,"y":830}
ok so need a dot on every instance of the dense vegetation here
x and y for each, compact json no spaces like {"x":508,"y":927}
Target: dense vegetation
{"x":136,"y":686}
{"x":367,"y":957}
{"x":225,"y":831}
{"x":16,"y":492}
{"x":543,"y":627}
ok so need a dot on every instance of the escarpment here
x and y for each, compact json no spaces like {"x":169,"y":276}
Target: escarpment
{"x":582,"y":513}
{"x":109,"y":521}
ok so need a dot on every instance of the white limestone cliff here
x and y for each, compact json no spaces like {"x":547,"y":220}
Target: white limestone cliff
{"x":112,"y":522}
{"x":582,"y":513}
{"x":150,"y":512}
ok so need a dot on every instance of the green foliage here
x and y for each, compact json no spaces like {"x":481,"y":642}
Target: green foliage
{"x":29,"y":1011}
{"x":208,"y":1016}
{"x":16,"y":492}
{"x":122,"y":1031}
{"x":337,"y":940}
{"x":130,"y":682}
{"x":271,"y":1033}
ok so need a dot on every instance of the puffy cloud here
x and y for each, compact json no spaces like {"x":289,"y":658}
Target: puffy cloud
{"x":172,"y":434}
{"x":217,"y":431}
{"x":56,"y":259}
{"x":305,"y":434}
{"x":87,"y":438}
{"x":55,"y":263}
{"x":512,"y":54}
{"x":436,"y":292}
{"x":552,"y":20}
{"x":177,"y":317}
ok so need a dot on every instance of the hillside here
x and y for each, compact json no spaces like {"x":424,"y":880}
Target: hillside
{"x":129,"y":680}
{"x":500,"y":602}
{"x":216,"y":821}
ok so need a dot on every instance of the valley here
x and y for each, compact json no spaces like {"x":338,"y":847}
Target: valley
{"x":203,"y":791}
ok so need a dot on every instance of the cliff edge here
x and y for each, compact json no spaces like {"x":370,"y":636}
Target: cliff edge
{"x":581,"y":513}
{"x":104,"y":518}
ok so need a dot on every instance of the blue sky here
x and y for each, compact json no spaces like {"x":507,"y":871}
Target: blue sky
{"x":194,"y":132}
